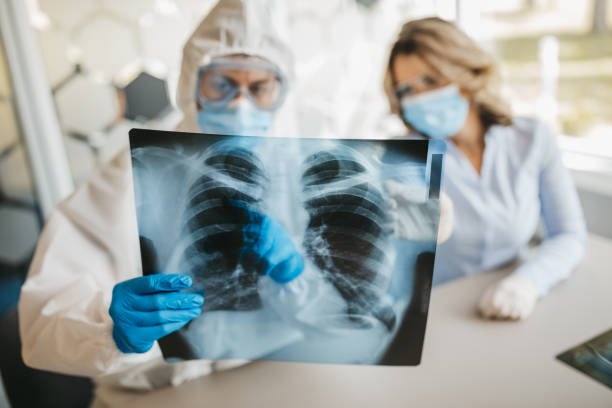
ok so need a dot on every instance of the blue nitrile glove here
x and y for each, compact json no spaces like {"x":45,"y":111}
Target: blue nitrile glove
{"x":147,"y":308}
{"x":269,"y":246}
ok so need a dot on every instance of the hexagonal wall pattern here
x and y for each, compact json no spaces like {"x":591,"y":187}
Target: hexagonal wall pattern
{"x":15,"y":176}
{"x":86,"y":105}
{"x":163,"y":37}
{"x":66,"y":14}
{"x":107,"y":44}
{"x":19,"y":233}
{"x":54,"y":47}
{"x":146,"y":98}
{"x":9,"y":131}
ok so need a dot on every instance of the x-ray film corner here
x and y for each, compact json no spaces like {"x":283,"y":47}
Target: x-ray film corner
{"x":300,"y":249}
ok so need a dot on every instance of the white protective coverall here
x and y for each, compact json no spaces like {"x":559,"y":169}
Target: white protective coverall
{"x":90,"y":242}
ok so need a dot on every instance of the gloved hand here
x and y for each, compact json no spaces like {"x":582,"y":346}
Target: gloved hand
{"x":412,"y":214}
{"x":147,"y":308}
{"x":267,"y":245}
{"x":513,"y":298}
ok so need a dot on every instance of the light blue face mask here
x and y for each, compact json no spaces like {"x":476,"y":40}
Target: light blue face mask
{"x":438,"y":114}
{"x":241,"y":120}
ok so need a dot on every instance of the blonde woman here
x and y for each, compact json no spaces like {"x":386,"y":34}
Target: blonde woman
{"x":502,"y":173}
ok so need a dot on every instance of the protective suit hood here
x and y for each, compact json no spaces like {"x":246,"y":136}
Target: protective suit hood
{"x":231,"y":27}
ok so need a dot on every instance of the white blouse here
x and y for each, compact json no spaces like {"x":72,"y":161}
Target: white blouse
{"x":497,"y":211}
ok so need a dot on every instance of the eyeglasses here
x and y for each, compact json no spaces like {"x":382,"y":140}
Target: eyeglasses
{"x":224,"y":79}
{"x":421,"y":84}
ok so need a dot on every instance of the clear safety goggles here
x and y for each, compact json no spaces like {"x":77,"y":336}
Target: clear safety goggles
{"x":418,"y":85}
{"x":224,"y":79}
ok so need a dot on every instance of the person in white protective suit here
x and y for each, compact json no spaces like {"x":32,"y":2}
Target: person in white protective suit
{"x":89,"y":247}
{"x":88,"y":259}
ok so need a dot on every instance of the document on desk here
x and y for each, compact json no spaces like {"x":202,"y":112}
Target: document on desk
{"x":593,"y":358}
{"x":309,"y":250}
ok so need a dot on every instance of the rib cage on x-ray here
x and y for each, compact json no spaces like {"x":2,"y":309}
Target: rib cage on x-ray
{"x":345,"y":236}
{"x":213,"y":228}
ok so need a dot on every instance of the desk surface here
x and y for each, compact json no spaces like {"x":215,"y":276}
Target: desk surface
{"x":466,"y":361}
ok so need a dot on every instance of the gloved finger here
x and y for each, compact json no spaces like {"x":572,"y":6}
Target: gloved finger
{"x":485,"y":306}
{"x":403,"y":192}
{"x":159,"y":317}
{"x":497,"y":297}
{"x":495,"y":302}
{"x":288,"y":269}
{"x":389,"y":228}
{"x":515,"y":313}
{"x":275,"y":252}
{"x":123,"y":345}
{"x":391,"y":224}
{"x":260,"y":236}
{"x":393,"y":216}
{"x":256,"y":244}
{"x":274,"y":245}
{"x":505,"y":308}
{"x":254,"y":216}
{"x":430,"y":207}
{"x":156,"y":283}
{"x":393,"y":187}
{"x":390,"y":203}
{"x":500,"y":303}
{"x":527,"y":307}
{"x":514,"y":307}
{"x":488,"y":313}
{"x":167,"y":300}
{"x":157,"y":332}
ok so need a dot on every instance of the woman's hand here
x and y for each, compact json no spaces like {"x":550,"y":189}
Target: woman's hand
{"x":412,"y":216}
{"x":511,"y":298}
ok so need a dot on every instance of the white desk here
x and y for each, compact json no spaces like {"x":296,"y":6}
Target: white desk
{"x":466,"y":362}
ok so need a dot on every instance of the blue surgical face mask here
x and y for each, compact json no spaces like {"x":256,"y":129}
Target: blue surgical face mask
{"x":438,"y":114}
{"x":241,"y":119}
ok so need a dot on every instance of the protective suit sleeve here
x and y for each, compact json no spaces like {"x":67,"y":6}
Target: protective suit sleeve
{"x":87,"y":246}
{"x":563,"y":220}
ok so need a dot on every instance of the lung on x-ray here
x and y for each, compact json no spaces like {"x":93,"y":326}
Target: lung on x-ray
{"x":311,"y":250}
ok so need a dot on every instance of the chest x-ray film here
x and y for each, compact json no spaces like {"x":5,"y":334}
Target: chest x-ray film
{"x":311,"y":250}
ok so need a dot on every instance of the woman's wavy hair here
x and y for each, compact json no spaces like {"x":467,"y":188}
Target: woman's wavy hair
{"x":456,"y":57}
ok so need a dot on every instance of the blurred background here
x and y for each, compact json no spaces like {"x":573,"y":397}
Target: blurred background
{"x":75,"y":76}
